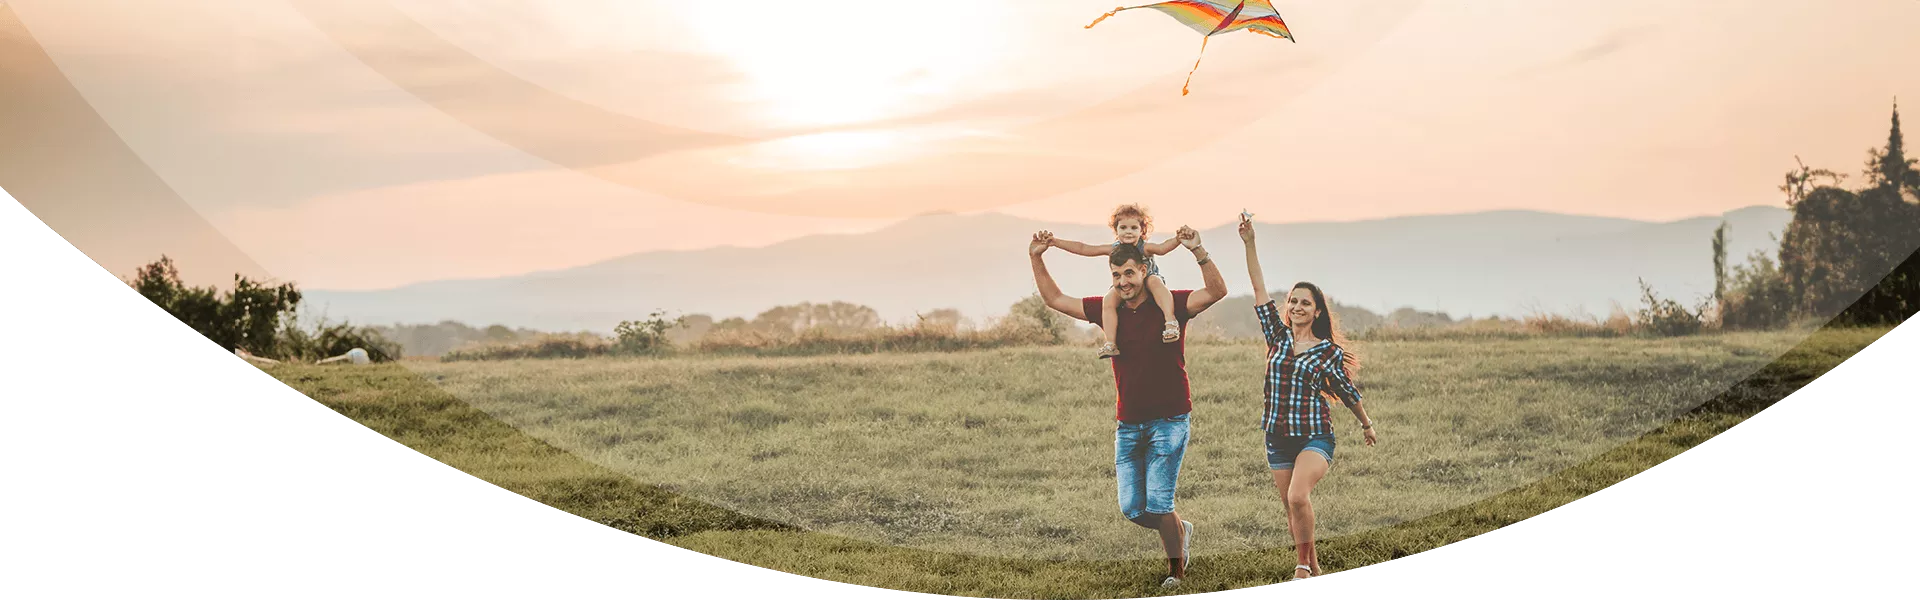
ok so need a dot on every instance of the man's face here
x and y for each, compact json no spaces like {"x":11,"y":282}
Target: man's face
{"x":1128,"y":278}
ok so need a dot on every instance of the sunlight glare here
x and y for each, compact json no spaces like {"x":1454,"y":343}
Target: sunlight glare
{"x":839,"y":62}
{"x":835,"y":150}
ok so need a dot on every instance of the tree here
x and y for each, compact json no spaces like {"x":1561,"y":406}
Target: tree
{"x":842,"y":317}
{"x":1757,"y":297}
{"x":830,"y":318}
{"x":1720,"y":263}
{"x":257,"y":311}
{"x":1894,"y":226}
{"x":1354,"y":319}
{"x":249,"y":317}
{"x":781,"y":320}
{"x":1817,"y":258}
{"x":1800,"y":183}
{"x":692,"y":328}
{"x":1846,"y":254}
{"x":1890,"y":167}
{"x":1889,"y":274}
{"x":646,"y":337}
{"x":500,"y":333}
{"x":1409,"y":317}
{"x":1033,"y":315}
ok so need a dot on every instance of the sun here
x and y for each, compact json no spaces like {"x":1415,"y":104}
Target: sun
{"x":828,"y":63}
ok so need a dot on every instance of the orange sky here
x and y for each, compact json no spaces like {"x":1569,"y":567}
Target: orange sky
{"x":372,"y":143}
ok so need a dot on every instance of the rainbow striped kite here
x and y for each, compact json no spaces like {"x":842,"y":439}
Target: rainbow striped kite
{"x":1210,"y":17}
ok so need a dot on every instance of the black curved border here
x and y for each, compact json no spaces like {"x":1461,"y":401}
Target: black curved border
{"x":154,"y":465}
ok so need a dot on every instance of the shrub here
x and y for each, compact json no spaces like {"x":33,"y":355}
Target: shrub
{"x":328,"y":340}
{"x":1665,"y":317}
{"x":1492,"y":327}
{"x":553,"y":346}
{"x":1554,"y":324}
{"x":1757,"y":297}
{"x":929,"y":333}
{"x":646,"y":337}
{"x":248,"y":317}
{"x":1032,"y":316}
{"x":256,"y":317}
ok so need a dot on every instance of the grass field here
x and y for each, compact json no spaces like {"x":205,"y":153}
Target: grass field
{"x":990,"y":473}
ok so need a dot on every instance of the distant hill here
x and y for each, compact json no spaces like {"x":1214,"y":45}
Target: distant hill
{"x":1503,"y":262}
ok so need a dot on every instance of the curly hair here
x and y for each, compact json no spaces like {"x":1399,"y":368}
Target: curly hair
{"x":1131,"y":210}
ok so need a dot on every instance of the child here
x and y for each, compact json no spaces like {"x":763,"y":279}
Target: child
{"x":1131,"y":224}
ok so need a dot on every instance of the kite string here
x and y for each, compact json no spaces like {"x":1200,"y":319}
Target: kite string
{"x":1196,"y":65}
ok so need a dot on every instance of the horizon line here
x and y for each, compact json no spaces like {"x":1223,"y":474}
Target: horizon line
{"x":897,"y":223}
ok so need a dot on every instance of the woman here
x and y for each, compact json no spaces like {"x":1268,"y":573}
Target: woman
{"x":1305,"y":363}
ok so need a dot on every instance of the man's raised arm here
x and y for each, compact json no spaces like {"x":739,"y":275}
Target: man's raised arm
{"x":1216,"y":286}
{"x":1049,"y":291}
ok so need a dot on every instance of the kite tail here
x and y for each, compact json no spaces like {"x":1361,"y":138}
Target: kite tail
{"x":1196,"y":65}
{"x":1111,"y":13}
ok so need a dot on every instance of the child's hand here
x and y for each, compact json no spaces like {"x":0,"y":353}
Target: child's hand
{"x":1188,"y":237}
{"x":1041,"y":241}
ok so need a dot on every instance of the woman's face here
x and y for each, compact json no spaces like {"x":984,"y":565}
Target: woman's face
{"x":1299,"y":307}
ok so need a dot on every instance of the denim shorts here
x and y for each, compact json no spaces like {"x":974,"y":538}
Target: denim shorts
{"x":1146,"y":463}
{"x":1282,"y":450}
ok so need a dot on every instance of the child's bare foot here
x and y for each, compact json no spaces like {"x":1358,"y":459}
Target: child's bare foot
{"x":1109,"y":351}
{"x":1172,"y":333}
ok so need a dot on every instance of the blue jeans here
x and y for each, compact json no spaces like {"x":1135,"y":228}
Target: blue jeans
{"x":1146,"y":463}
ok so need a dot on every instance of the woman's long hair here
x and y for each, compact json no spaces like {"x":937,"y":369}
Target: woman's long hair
{"x":1325,"y":328}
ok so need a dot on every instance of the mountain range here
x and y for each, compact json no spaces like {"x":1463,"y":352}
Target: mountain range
{"x":1506,"y":263}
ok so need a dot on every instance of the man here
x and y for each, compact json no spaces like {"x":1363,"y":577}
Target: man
{"x":1155,"y":400}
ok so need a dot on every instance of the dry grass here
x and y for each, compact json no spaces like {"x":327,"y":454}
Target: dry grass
{"x":1470,"y":419}
{"x":1008,"y":452}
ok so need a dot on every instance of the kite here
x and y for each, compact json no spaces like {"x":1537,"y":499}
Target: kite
{"x":1210,"y":17}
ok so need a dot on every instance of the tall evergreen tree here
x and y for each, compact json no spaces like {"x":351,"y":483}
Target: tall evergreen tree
{"x":1879,"y":229}
{"x":1720,"y":265}
{"x":1890,"y":167}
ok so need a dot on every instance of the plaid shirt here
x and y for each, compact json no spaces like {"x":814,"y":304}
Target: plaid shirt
{"x":1295,"y":406}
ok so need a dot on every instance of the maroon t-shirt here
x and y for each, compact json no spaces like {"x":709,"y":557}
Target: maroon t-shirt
{"x":1151,"y":376}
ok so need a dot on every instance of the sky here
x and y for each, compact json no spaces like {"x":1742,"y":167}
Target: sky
{"x":364,"y":144}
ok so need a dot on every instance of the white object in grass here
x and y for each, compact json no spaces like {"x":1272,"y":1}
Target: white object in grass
{"x":355,"y":355}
